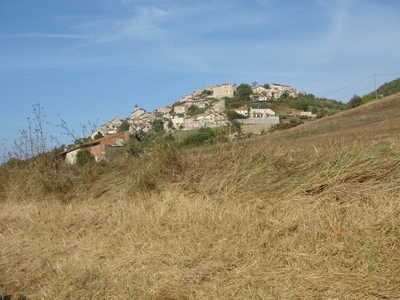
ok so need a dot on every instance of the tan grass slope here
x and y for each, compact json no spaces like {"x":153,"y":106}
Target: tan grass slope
{"x":375,"y":120}
{"x":299,"y":215}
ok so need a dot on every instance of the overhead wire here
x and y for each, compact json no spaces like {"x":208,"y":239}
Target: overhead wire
{"x":348,"y":86}
{"x":341,"y":89}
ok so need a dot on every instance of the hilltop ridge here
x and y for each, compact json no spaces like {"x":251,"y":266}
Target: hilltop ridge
{"x":378,"y":119}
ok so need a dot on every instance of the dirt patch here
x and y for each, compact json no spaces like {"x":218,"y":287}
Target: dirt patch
{"x":256,"y":129}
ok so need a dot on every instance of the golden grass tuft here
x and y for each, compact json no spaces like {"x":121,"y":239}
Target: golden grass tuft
{"x":265,"y":219}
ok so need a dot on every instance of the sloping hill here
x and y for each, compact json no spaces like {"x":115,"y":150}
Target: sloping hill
{"x":250,"y":219}
{"x":376,"y":120}
{"x":388,"y":88}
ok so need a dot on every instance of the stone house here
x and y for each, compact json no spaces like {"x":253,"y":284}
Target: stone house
{"x":279,"y":87}
{"x":180,"y":109}
{"x":109,"y":147}
{"x":178,"y":121}
{"x":309,"y":114}
{"x":187,"y":98}
{"x":294,"y":93}
{"x":211,"y":120}
{"x":263,"y":93}
{"x":297,"y":112}
{"x":197,"y":93}
{"x":261,"y":111}
{"x":244,"y":111}
{"x":140,"y":124}
{"x":137,"y":112}
{"x":109,"y":127}
{"x":259,"y":90}
{"x":161,"y":111}
{"x":192,"y":101}
{"x":223,"y":90}
{"x":218,"y":106}
{"x":264,"y":98}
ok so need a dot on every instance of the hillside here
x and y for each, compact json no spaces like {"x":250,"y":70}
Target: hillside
{"x":373,"y":121}
{"x":308,"y":213}
{"x":389,"y":88}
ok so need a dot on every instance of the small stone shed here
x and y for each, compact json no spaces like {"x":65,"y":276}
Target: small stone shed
{"x":108,"y":147}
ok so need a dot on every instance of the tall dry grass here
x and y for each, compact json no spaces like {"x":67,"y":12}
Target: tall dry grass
{"x":377,"y":119}
{"x":241,"y":221}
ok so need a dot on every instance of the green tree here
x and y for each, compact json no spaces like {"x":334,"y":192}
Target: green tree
{"x":84,"y":156}
{"x":237,"y":127}
{"x":266,"y":86}
{"x":194,"y":110}
{"x":368,"y":98}
{"x":354,"y":102}
{"x":205,"y":93}
{"x":301,"y":104}
{"x":98,"y":135}
{"x":203,"y":137}
{"x":322,"y":113}
{"x":389,"y":88}
{"x":123,"y":127}
{"x":233,"y":102}
{"x":244,"y":91}
{"x":273,"y":96}
{"x":285,"y":95}
{"x":231,"y":115}
{"x":81,"y":141}
{"x":158,"y":125}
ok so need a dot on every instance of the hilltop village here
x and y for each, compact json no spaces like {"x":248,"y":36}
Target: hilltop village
{"x":202,"y":108}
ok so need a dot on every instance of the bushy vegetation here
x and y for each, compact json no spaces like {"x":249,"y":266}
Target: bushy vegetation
{"x":233,"y":115}
{"x":158,"y":125}
{"x":384,"y":90}
{"x":355,"y":101}
{"x":194,"y":110}
{"x":205,"y":94}
{"x":123,"y":127}
{"x":307,"y":102}
{"x":98,"y":135}
{"x":389,"y":88}
{"x":84,"y":157}
{"x":205,"y":136}
{"x":286,"y":125}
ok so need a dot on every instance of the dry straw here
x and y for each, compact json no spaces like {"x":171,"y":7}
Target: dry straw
{"x":278,"y":218}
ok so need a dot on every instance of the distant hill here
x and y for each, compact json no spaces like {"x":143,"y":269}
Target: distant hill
{"x":376,"y":120}
{"x":386,"y":89}
{"x":389,"y":88}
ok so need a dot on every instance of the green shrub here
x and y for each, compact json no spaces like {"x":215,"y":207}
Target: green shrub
{"x":205,"y":136}
{"x":84,"y":157}
{"x":286,"y":125}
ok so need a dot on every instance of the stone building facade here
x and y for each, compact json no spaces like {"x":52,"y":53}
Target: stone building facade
{"x":223,"y":90}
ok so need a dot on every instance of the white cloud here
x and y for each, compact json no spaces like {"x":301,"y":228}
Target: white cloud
{"x":144,"y":24}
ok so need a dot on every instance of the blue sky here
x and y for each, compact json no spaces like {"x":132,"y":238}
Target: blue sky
{"x":91,"y":60}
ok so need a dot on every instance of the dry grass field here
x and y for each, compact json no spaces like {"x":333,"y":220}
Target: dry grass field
{"x":309,"y":213}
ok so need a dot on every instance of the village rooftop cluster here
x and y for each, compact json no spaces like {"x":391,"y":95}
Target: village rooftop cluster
{"x":211,"y":104}
{"x":207,"y":109}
